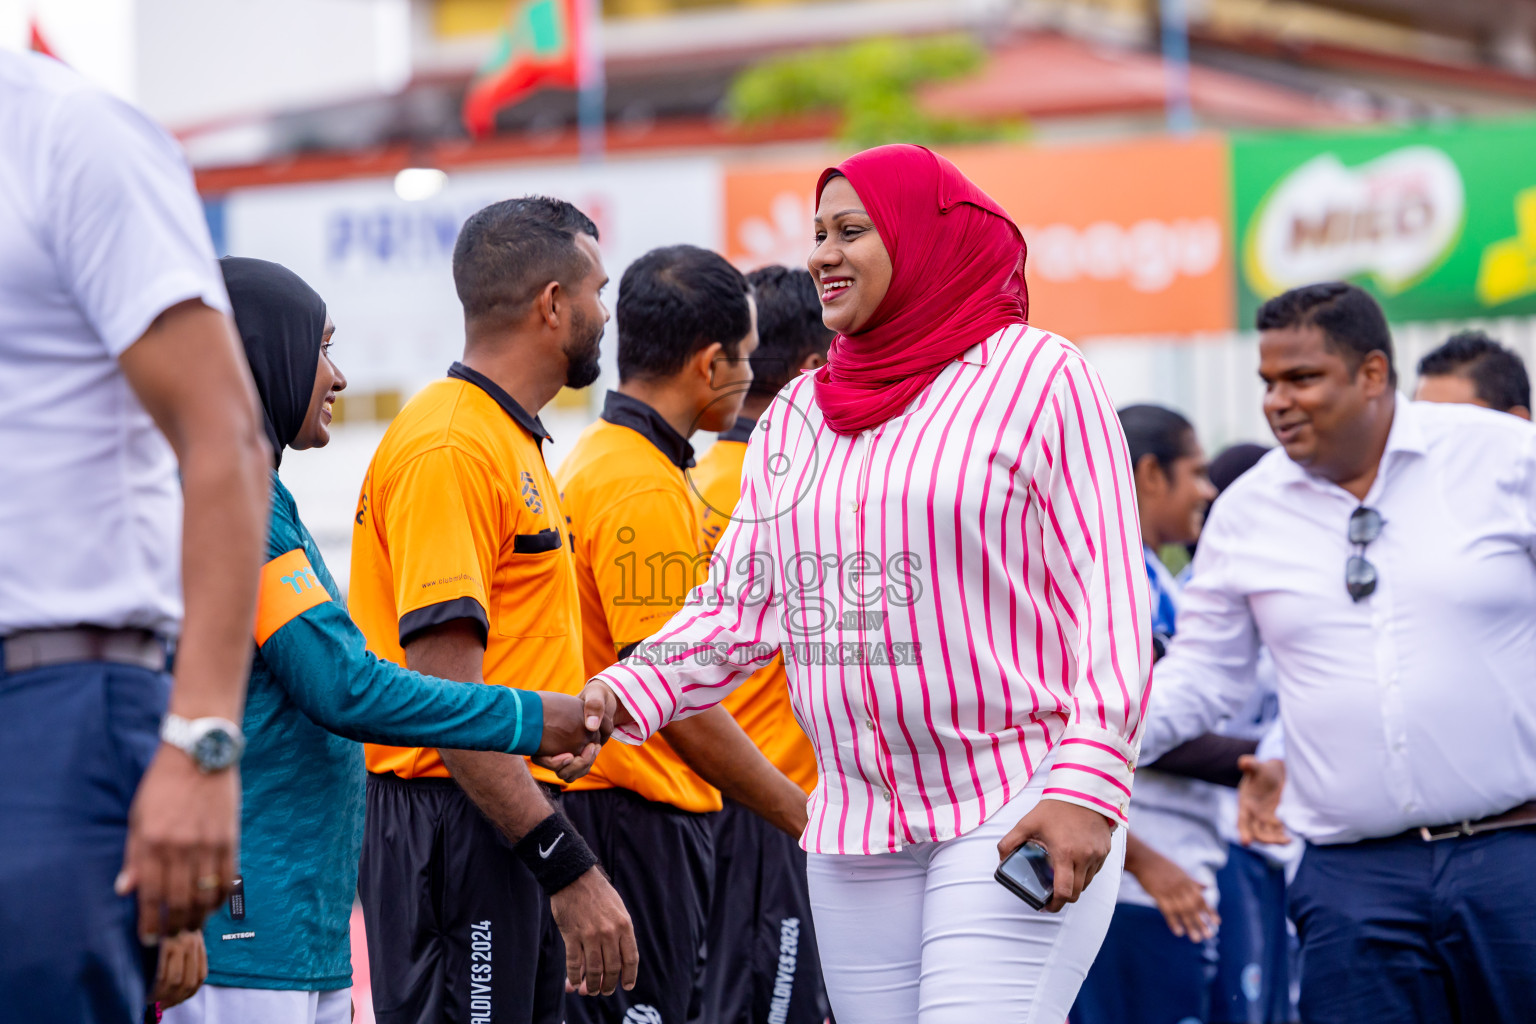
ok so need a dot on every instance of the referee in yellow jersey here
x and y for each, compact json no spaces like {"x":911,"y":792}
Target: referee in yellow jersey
{"x":763,"y":965}
{"x":686,"y":332}
{"x":461,"y":568}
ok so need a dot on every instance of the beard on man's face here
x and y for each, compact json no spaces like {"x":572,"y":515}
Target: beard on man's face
{"x":583,"y":352}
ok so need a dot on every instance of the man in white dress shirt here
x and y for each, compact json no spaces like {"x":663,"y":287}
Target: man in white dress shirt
{"x":1385,"y":557}
{"x":122,"y":388}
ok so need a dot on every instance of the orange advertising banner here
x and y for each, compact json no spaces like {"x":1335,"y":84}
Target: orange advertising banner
{"x":1124,"y":238}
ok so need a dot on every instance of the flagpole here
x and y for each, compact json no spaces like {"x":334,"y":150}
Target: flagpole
{"x":1175,"y":32}
{"x":592,"y":99}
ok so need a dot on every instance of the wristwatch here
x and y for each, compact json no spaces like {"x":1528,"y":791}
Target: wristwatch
{"x":213,"y":744}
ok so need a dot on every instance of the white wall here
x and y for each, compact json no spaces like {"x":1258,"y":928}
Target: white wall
{"x":96,"y":37}
{"x":203,"y":61}
{"x":384,"y":266}
{"x":196,"y":62}
{"x":1214,"y":379}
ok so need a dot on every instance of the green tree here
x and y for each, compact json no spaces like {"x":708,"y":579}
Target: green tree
{"x":872,"y":84}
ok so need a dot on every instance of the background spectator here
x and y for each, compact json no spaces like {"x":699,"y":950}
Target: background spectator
{"x":1471,"y":367}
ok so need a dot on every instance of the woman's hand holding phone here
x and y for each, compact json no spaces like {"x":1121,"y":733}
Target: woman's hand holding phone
{"x":1077,"y":839}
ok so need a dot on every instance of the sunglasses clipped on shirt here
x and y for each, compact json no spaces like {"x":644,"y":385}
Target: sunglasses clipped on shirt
{"x":1359,"y":574}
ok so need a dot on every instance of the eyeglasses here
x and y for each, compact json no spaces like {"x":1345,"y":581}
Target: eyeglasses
{"x":1359,"y":574}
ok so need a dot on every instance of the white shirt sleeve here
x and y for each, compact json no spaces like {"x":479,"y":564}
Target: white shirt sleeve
{"x":125,"y":223}
{"x":1527,"y":476}
{"x":1272,"y":745}
{"x":1210,"y":666}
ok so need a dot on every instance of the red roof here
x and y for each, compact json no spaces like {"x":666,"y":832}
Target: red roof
{"x":1045,"y":76}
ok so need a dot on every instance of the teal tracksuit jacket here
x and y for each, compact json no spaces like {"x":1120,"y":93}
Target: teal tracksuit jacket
{"x":315,"y":695}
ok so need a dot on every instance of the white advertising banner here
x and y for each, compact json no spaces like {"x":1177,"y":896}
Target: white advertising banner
{"x":384,"y":265}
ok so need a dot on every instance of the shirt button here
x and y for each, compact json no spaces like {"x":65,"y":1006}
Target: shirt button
{"x":869,"y":723}
{"x":853,"y":506}
{"x":886,"y":793}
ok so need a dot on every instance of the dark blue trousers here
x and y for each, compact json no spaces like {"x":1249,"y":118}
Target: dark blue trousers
{"x":1253,"y":945}
{"x":1400,"y":931}
{"x":1145,"y":974}
{"x":74,"y":742}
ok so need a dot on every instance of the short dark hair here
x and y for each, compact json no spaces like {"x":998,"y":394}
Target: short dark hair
{"x":1497,"y":374}
{"x":789,"y":326}
{"x":674,"y":301}
{"x":1351,"y":321}
{"x":1157,"y":431}
{"x":1232,"y":462}
{"x":508,"y":252}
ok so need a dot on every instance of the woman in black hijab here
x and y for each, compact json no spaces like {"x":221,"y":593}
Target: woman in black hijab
{"x":287,"y":336}
{"x":314,"y":693}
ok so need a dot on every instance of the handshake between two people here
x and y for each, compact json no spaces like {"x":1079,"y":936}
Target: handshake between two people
{"x":576,"y":727}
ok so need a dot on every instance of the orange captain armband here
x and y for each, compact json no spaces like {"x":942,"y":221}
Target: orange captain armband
{"x":289,"y":588}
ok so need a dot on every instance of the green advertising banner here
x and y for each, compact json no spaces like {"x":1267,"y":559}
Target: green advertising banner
{"x":1437,"y":223}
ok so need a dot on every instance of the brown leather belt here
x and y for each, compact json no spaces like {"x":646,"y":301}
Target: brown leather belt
{"x":43,"y":648}
{"x":1515,"y":817}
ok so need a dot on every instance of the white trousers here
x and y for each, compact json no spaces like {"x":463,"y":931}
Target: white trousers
{"x":215,"y":1004}
{"x":926,"y":936}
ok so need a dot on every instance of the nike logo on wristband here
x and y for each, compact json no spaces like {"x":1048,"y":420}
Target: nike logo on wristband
{"x":544,"y":854}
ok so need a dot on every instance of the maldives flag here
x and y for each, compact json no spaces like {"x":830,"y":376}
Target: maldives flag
{"x":539,"y":46}
{"x":37,"y":44}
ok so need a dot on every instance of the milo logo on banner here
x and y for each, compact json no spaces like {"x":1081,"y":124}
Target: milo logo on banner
{"x":1438,"y":222}
{"x":1394,"y":219}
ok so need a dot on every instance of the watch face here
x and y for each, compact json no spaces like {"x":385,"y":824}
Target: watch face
{"x":214,"y":750}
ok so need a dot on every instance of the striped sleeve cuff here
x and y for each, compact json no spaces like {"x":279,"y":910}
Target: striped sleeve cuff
{"x":1093,"y":769}
{"x":647,"y":701}
{"x":530,"y":722}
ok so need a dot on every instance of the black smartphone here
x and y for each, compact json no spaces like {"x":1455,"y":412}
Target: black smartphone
{"x":1027,"y":874}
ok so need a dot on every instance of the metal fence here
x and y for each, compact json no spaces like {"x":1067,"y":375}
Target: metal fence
{"x":1213,"y":379}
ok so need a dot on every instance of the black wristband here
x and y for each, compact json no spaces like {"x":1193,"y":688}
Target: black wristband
{"x":555,"y":852}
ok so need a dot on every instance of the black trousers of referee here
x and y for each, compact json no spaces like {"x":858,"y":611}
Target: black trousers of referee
{"x":662,"y":863}
{"x":761,"y":961}
{"x":459,"y":931}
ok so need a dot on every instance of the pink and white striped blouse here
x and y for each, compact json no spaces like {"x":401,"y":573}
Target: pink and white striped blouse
{"x":958,"y":592}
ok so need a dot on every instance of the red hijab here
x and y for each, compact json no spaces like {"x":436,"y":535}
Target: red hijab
{"x":957,"y":278}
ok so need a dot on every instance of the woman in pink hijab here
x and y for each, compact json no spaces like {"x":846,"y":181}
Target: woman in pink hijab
{"x":938,"y":530}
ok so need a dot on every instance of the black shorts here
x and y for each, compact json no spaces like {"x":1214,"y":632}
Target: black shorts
{"x":458,"y":929}
{"x":761,"y":965}
{"x":662,"y":863}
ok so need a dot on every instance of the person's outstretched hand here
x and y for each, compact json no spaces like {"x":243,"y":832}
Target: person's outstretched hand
{"x":603,"y":709}
{"x":1258,"y":802}
{"x":181,"y":971}
{"x":569,"y":748}
{"x":1076,"y":838}
{"x":1178,"y":896}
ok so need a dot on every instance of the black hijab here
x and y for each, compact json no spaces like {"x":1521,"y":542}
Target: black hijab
{"x":281,"y":320}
